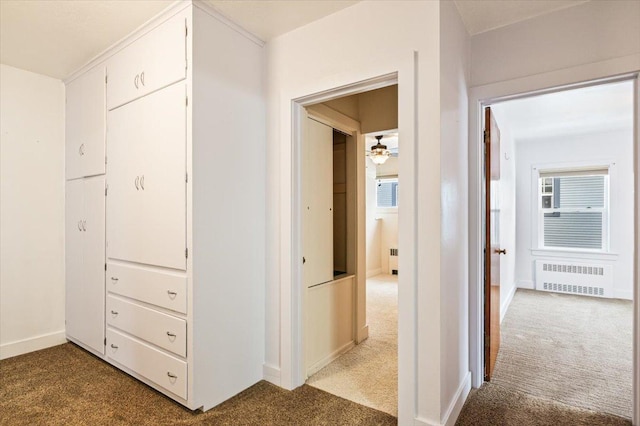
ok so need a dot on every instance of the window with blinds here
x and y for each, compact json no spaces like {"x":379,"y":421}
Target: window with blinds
{"x":387,"y":193}
{"x":574,"y":209}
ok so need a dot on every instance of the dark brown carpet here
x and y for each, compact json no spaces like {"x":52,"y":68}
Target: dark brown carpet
{"x":65,"y":385}
{"x":496,"y":405}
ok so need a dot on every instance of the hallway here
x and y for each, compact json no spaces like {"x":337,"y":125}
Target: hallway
{"x":368,"y":374}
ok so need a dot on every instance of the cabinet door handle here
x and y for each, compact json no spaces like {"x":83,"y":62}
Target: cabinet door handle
{"x":81,"y":149}
{"x":142,"y":78}
{"x":114,"y":312}
{"x":172,"y":376}
{"x":84,"y":225}
{"x":137,"y":181}
{"x":135,"y":80}
{"x":170,"y":334}
{"x":142,"y":182}
{"x":80,"y":225}
{"x":114,"y":279}
{"x":114,"y":346}
{"x":172,"y":294}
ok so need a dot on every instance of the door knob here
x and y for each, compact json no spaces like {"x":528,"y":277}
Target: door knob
{"x":501,"y":251}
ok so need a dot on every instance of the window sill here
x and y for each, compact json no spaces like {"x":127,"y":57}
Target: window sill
{"x":573,"y":254}
{"x":387,"y":210}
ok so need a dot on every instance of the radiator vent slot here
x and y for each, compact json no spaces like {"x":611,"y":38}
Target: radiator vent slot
{"x":574,"y":278}
{"x":393,"y":252}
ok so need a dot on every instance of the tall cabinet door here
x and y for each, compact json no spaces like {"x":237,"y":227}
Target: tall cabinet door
{"x":146,"y":203}
{"x":84,"y":261}
{"x":93,"y":261}
{"x":317,"y":197}
{"x":73,"y":130}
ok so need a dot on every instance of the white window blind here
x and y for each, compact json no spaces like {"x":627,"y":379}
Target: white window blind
{"x":387,"y":193}
{"x":574,"y":209}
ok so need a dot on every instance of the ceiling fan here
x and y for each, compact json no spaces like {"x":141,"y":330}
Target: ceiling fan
{"x":379,"y":152}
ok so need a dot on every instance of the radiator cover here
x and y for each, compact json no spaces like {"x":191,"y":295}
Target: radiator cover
{"x":584,"y":278}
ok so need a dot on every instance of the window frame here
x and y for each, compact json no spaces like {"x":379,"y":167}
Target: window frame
{"x":538,"y":211}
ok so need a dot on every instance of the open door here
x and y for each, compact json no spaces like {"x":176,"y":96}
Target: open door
{"x":492,"y":250}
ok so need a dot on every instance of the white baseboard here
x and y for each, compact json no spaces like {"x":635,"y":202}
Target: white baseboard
{"x":526,"y":284}
{"x":374,"y":272}
{"x":271,"y":374}
{"x":327,"y":360}
{"x":32,"y":344}
{"x":621,"y":294}
{"x":455,"y":407}
{"x":505,"y":306}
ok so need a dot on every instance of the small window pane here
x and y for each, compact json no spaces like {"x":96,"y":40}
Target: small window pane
{"x":573,"y":230}
{"x":387,"y":193}
{"x":581,"y":191}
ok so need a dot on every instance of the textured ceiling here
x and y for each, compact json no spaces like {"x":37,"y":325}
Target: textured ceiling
{"x":57,"y":37}
{"x":590,"y":109}
{"x":484,"y":15}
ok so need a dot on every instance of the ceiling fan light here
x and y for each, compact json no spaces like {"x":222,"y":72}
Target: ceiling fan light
{"x":379,"y":155}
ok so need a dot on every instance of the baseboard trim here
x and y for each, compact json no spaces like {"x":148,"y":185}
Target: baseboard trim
{"x":32,"y":344}
{"x":621,"y":294}
{"x":327,"y":360}
{"x":507,"y":302}
{"x":526,"y":284}
{"x":363,"y":334}
{"x":271,"y":374}
{"x":374,"y":272}
{"x":455,"y":407}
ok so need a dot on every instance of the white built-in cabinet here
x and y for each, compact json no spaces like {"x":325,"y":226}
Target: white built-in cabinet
{"x":317,"y":198}
{"x":181,"y":300}
{"x":85,"y":125}
{"x":85,"y":253}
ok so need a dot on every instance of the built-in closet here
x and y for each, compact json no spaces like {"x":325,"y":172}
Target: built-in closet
{"x":164,"y":257}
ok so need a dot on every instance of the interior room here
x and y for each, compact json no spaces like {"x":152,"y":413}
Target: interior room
{"x":564,"y":216}
{"x":154,"y":265}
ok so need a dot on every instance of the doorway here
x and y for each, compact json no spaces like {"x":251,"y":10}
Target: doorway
{"x":570,"y":209}
{"x":350,"y":322}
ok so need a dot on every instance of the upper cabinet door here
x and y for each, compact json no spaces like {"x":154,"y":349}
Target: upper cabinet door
{"x":94,"y":116}
{"x":146,"y":201}
{"x":73,"y":130}
{"x":152,"y":62}
{"x":85,"y":124}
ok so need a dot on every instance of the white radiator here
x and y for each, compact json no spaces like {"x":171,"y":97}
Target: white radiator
{"x":575,"y":278}
{"x":393,"y":261}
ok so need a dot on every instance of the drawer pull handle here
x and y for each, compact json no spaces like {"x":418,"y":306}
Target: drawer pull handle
{"x":172,"y":376}
{"x":114,"y":313}
{"x":114,"y":279}
{"x":172,"y":294}
{"x":170,"y":334}
{"x":114,"y":346}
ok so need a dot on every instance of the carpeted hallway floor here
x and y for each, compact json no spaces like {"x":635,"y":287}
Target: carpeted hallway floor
{"x":576,"y":350}
{"x":368,"y":373}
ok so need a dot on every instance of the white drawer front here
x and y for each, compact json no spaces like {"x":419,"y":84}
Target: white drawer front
{"x":155,"y":327}
{"x":152,"y":62}
{"x":157,"y":288}
{"x":162,"y":369}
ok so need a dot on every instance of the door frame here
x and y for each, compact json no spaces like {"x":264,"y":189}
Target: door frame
{"x":297,"y":304}
{"x":481,"y":96}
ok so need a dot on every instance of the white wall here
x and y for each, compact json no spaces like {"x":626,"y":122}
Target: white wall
{"x":587,"y":33}
{"x":31,"y":211}
{"x":614,"y":146}
{"x":338,"y":50}
{"x":454,"y":296}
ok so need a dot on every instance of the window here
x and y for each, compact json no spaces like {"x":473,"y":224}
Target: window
{"x":387,"y":192}
{"x":573,"y":209}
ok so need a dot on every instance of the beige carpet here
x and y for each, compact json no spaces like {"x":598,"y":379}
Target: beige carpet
{"x":572,"y":349}
{"x":65,"y":385}
{"x":368,"y":373}
{"x":495,"y":405}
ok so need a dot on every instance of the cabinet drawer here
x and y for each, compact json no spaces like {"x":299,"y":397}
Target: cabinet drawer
{"x":157,"y":288}
{"x":155,"y":327}
{"x":162,"y":369}
{"x":152,"y":62}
